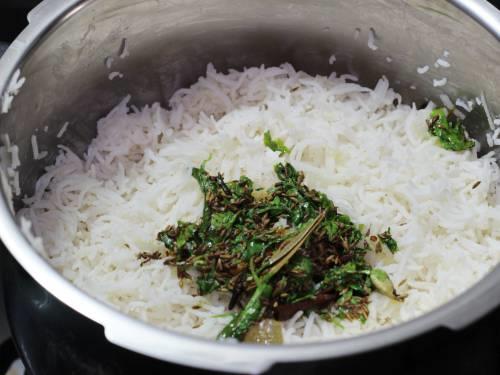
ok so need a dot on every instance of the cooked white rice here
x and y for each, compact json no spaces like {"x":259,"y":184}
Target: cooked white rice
{"x":108,"y":61}
{"x":63,"y":130}
{"x":439,"y":82}
{"x":376,"y":161}
{"x":445,"y":99}
{"x":124,"y":52}
{"x":442,"y":63}
{"x":371,"y":40}
{"x":34,"y":147}
{"x":467,"y":105}
{"x":114,"y":75}
{"x":423,"y":69}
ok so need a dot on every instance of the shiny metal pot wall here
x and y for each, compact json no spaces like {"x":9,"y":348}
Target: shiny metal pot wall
{"x":62,"y":54}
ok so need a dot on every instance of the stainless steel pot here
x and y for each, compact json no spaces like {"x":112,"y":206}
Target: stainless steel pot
{"x":62,"y":54}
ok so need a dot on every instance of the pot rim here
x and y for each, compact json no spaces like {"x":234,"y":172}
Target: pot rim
{"x":201,"y":352}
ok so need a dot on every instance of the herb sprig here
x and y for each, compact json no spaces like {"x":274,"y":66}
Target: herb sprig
{"x":277,"y":144}
{"x":451,"y":135}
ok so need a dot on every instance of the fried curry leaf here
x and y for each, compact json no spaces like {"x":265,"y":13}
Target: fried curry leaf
{"x":352,"y":276}
{"x":387,"y":240}
{"x":207,"y":283}
{"x":221,"y":220}
{"x":276,"y":145}
{"x":451,"y":135}
{"x":254,"y":309}
{"x":301,"y":267}
{"x":185,"y":234}
{"x":275,"y":251}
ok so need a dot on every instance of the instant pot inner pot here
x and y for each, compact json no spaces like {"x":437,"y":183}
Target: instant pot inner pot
{"x":170,"y":44}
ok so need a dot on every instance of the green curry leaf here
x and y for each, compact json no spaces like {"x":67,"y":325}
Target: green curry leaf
{"x":276,"y":145}
{"x":451,"y":135}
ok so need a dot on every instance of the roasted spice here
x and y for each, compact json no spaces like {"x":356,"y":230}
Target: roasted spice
{"x":276,"y":252}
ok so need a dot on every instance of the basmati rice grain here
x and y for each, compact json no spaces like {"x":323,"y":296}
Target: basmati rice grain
{"x":496,"y":135}
{"x":371,"y":39}
{"x":487,"y":111}
{"x":465,"y":105}
{"x":34,"y":147}
{"x":489,"y":140}
{"x":42,"y":155}
{"x":114,"y":75}
{"x":124,"y":52}
{"x":16,"y":186}
{"x":439,"y":82}
{"x":349,"y":77}
{"x":423,"y":69}
{"x":63,"y":130}
{"x":442,"y":63}
{"x":15,"y":161}
{"x":15,"y":85}
{"x":445,"y":99}
{"x":108,"y":61}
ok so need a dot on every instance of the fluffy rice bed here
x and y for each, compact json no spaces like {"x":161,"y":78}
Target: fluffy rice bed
{"x":368,"y":152}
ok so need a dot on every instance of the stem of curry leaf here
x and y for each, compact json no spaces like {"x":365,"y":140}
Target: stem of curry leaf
{"x":253,"y":310}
